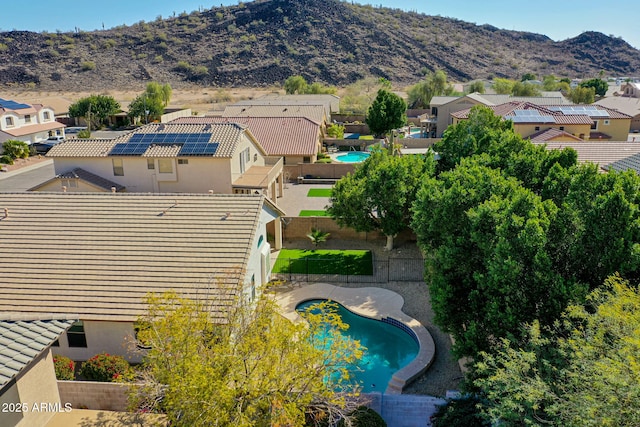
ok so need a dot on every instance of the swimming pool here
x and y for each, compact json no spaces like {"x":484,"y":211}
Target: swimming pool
{"x":388,"y":348}
{"x":353,"y":157}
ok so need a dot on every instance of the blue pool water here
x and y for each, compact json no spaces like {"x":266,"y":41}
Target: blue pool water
{"x":353,"y":157}
{"x":388,"y":348}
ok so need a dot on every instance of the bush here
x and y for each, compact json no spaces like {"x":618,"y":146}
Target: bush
{"x":84,"y":134}
{"x":459,"y":413}
{"x":88,"y":66}
{"x":106,"y":367}
{"x":64,"y":367}
{"x":15,"y":149}
{"x":365,"y":417}
{"x":325,"y":160}
{"x":6,"y":159}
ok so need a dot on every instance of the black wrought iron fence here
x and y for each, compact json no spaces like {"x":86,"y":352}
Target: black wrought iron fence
{"x":325,"y":270}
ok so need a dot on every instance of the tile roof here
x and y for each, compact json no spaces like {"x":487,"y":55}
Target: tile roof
{"x":330,"y":102}
{"x":315,"y":113}
{"x":23,"y":340}
{"x":602,"y":153}
{"x":631,"y":162}
{"x":79,"y":173}
{"x":550,"y":134}
{"x":35,"y":128}
{"x":227,"y":135}
{"x":626,"y":105}
{"x":508,"y":112}
{"x":280,"y":136}
{"x":97,"y":255}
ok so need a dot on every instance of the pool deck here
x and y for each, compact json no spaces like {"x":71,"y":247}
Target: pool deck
{"x":376,"y":303}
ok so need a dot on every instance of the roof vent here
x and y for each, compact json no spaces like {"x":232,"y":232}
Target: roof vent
{"x":225,"y":216}
{"x":6,"y":212}
{"x":113,"y":189}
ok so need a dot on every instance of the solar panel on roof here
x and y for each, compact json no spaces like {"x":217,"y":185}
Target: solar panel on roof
{"x":199,"y":149}
{"x":526,"y":113}
{"x":12,"y":105}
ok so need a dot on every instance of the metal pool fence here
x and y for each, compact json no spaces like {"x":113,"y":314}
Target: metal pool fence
{"x":312,"y":270}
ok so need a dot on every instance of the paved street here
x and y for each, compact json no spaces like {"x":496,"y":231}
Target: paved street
{"x":24,"y":179}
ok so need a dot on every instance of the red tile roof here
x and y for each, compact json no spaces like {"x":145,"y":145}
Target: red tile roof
{"x":280,"y":136}
{"x":550,"y":135}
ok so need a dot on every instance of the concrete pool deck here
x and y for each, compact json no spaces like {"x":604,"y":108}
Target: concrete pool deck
{"x":375,"y":303}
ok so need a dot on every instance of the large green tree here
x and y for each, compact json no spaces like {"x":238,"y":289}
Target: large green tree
{"x":387,"y":112}
{"x":581,"y":372}
{"x":434,"y":84}
{"x":252,"y":367}
{"x":379,"y":194}
{"x":151,"y":103}
{"x":599,"y":85}
{"x":95,"y":108}
{"x":582,"y":95}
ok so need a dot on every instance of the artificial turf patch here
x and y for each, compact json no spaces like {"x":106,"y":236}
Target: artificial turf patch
{"x":319,"y":192}
{"x":313,"y":213}
{"x":324,"y":261}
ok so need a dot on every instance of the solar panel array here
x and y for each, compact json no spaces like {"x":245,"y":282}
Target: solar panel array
{"x":530,"y":116}
{"x":193,"y":144}
{"x":589,"y":111}
{"x":12,"y":105}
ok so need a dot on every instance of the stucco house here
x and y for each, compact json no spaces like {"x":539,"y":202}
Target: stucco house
{"x":295,"y":139}
{"x":178,"y":158}
{"x":441,"y":107}
{"x":28,"y":388}
{"x":626,"y":105}
{"x":28,"y":123}
{"x":97,"y":256}
{"x":568,"y":122}
{"x":630,"y":89}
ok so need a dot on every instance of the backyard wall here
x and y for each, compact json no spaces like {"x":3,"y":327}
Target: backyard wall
{"x":322,"y":170}
{"x":297,"y":228}
{"x":94,"y":395}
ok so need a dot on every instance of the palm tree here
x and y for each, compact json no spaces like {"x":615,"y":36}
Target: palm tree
{"x":317,"y":236}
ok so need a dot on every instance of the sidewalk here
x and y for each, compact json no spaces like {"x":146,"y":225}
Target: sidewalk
{"x":25,"y":166}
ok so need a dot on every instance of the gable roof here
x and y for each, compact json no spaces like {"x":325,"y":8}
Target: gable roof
{"x":315,"y":113}
{"x":226,"y":135}
{"x":551,"y":134}
{"x":624,"y":104}
{"x":91,"y":178}
{"x":22,"y":340}
{"x":99,"y":254}
{"x":280,"y":136}
{"x":331,"y":103}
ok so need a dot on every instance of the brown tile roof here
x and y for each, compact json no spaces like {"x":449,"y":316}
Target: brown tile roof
{"x":315,"y":113}
{"x":550,"y":114}
{"x":602,"y":153}
{"x":227,"y":135}
{"x":93,"y":179}
{"x":280,"y":136}
{"x":550,"y":135}
{"x":98,"y":254}
{"x":29,"y":129}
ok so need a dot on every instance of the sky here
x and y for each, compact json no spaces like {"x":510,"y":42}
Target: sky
{"x":557,"y":19}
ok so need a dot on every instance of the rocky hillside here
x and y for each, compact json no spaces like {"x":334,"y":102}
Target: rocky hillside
{"x":261,"y":43}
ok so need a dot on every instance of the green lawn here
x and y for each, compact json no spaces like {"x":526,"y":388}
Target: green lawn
{"x":319,"y":192}
{"x":313,"y":213}
{"x":324,"y":261}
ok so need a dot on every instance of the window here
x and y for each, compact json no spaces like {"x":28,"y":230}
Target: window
{"x":561,"y":127}
{"x":607,"y":122}
{"x":537,"y":128}
{"x":46,"y":115}
{"x":306,"y":159}
{"x":27,"y":118}
{"x":255,"y":157}
{"x":594,"y":125}
{"x":118,"y":168}
{"x":183,"y":161}
{"x":9,"y":121}
{"x":70,"y":183}
{"x":260,"y":240}
{"x":76,"y":335}
{"x":165,"y":165}
{"x":151,"y":164}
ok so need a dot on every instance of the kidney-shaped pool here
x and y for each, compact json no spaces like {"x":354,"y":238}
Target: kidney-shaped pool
{"x":388,"y":348}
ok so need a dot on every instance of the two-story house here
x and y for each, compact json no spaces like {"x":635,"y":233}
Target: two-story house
{"x":28,"y":123}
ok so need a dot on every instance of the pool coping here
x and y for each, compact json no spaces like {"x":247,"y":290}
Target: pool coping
{"x":334,"y":156}
{"x":375,"y":303}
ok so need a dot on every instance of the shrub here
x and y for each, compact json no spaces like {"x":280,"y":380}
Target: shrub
{"x":365,"y":417}
{"x":106,"y":367}
{"x":88,"y":66}
{"x":15,"y":149}
{"x":64,"y":367}
{"x":325,"y":160}
{"x":84,"y":134}
{"x":7,"y":160}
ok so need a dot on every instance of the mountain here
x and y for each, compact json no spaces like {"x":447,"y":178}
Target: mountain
{"x":263,"y":42}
